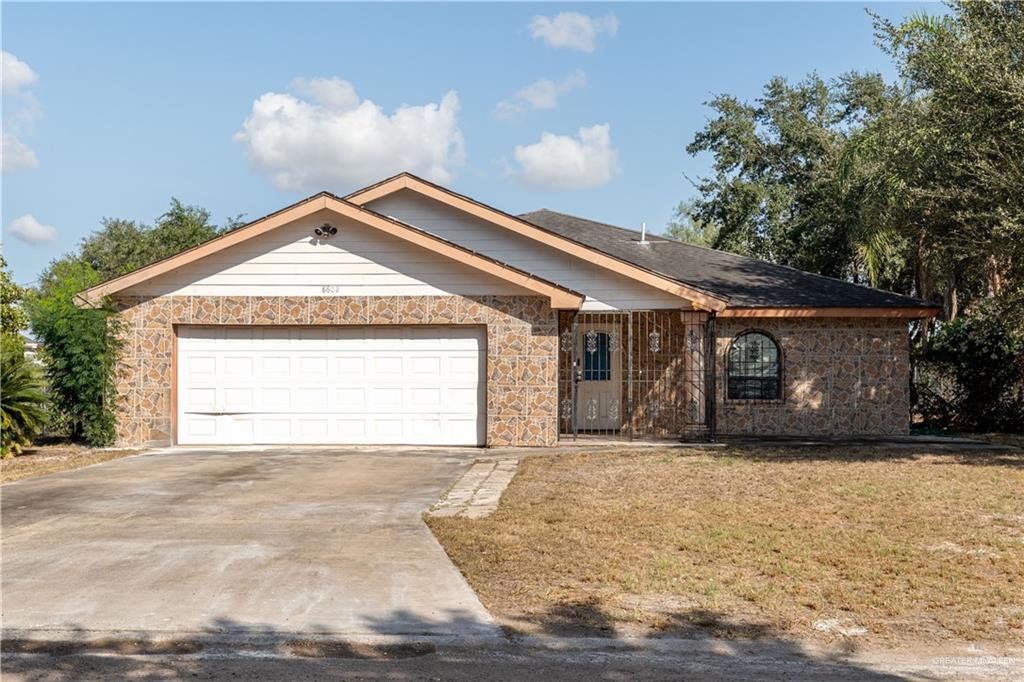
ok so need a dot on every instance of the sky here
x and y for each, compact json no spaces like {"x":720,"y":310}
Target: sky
{"x":109,"y":110}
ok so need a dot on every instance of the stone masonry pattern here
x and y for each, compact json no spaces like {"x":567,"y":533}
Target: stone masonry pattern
{"x":522,"y":385}
{"x":840,"y":377}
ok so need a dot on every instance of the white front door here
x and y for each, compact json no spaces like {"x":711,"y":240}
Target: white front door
{"x":599,"y":370}
{"x":348,"y":385}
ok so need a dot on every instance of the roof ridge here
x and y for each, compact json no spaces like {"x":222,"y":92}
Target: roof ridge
{"x":598,"y":222}
{"x":740,"y":256}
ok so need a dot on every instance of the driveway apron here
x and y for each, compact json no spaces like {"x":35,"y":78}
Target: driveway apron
{"x":325,"y":541}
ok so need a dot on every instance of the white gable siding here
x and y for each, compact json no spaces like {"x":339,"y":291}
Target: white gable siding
{"x":358,"y":261}
{"x":604,"y":289}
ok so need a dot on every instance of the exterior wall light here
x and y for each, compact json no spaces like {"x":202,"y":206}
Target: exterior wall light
{"x":326,"y":230}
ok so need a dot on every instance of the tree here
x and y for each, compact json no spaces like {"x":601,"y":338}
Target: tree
{"x":79,"y":348}
{"x":12,"y":316}
{"x":22,"y":404}
{"x":775,"y":192}
{"x":22,"y":401}
{"x":687,"y":227}
{"x":971,"y":373}
{"x":915,"y":187}
{"x":948,"y":163}
{"x":125,"y":245}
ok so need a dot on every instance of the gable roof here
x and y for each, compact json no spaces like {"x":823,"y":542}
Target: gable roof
{"x":750,"y":284}
{"x":730,"y":284}
{"x":559,"y":296}
{"x":698,"y":296}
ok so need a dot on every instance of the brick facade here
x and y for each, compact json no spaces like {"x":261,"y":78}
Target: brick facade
{"x":522,"y":388}
{"x":840,"y":377}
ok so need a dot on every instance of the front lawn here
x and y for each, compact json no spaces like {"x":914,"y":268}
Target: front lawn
{"x":879,"y":544}
{"x":39,"y":460}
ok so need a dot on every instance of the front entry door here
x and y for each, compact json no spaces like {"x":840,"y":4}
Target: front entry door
{"x":599,"y":378}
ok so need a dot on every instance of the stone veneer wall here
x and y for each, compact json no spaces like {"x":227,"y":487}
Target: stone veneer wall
{"x":522,"y":383}
{"x":840,"y":377}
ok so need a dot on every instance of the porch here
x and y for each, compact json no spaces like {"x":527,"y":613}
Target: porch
{"x":644,"y":374}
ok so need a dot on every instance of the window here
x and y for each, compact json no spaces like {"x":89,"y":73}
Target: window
{"x":597,"y":357}
{"x":753,"y":371}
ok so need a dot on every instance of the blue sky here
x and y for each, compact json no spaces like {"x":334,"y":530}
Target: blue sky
{"x":124,"y":106}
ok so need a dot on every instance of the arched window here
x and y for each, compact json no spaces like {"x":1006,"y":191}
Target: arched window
{"x":754,"y":368}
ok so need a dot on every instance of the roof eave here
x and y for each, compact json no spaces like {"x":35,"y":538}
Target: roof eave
{"x":560,"y":297}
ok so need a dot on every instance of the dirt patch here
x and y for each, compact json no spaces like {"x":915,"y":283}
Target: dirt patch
{"x":822,"y":543}
{"x":339,"y":649}
{"x":49,"y":459}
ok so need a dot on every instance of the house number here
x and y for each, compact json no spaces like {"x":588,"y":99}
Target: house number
{"x":330,"y":289}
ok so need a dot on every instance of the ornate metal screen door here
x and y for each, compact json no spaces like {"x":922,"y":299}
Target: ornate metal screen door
{"x":599,"y":378}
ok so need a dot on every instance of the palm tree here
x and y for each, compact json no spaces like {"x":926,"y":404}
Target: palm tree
{"x":22,"y":404}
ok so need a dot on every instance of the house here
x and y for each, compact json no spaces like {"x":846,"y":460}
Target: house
{"x":407,"y":313}
{"x":31,"y":352}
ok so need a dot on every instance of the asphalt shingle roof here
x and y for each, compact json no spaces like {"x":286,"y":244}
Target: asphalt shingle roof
{"x":747,"y":282}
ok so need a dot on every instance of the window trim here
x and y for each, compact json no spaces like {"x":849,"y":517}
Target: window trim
{"x":782,"y":369}
{"x":598,"y":373}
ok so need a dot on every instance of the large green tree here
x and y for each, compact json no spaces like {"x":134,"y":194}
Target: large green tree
{"x":124,"y":245}
{"x":775,"y":192}
{"x":916,"y":187}
{"x":945,"y":168}
{"x":79,"y":350}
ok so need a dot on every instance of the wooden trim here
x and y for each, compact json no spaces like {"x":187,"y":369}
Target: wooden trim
{"x":907,"y":313}
{"x":174,"y":384}
{"x":560,"y":297}
{"x":701,"y":299}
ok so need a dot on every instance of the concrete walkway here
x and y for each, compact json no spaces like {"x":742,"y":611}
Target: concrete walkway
{"x":476,"y":495}
{"x":322,"y":541}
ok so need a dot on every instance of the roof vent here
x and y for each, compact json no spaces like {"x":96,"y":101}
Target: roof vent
{"x":643,"y":234}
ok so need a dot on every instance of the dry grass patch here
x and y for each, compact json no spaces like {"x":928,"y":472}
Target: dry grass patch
{"x":747,"y":542}
{"x":49,"y":459}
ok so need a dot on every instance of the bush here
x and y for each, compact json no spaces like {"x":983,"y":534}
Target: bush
{"x":970,"y":374}
{"x":22,"y":402}
{"x":79,"y":350}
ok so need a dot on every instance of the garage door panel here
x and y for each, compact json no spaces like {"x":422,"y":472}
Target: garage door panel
{"x":351,"y":367}
{"x":238,"y":366}
{"x":400,"y":385}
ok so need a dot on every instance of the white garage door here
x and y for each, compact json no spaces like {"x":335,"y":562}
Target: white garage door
{"x":386,"y":385}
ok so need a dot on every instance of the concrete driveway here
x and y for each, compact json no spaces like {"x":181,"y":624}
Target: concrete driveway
{"x":255,"y":541}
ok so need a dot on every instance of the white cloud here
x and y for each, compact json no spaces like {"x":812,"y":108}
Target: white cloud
{"x":333,"y":93}
{"x":19,"y":114}
{"x":16,"y":73}
{"x":16,"y":155}
{"x":573,"y":30}
{"x":542,"y":94}
{"x":324,"y":137}
{"x":31,"y":231}
{"x":564,"y":162}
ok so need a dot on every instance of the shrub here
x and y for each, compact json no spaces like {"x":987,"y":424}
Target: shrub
{"x":970,"y":374}
{"x":79,"y":350}
{"x":22,"y":403}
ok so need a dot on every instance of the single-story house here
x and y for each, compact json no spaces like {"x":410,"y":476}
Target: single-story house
{"x":405,"y":313}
